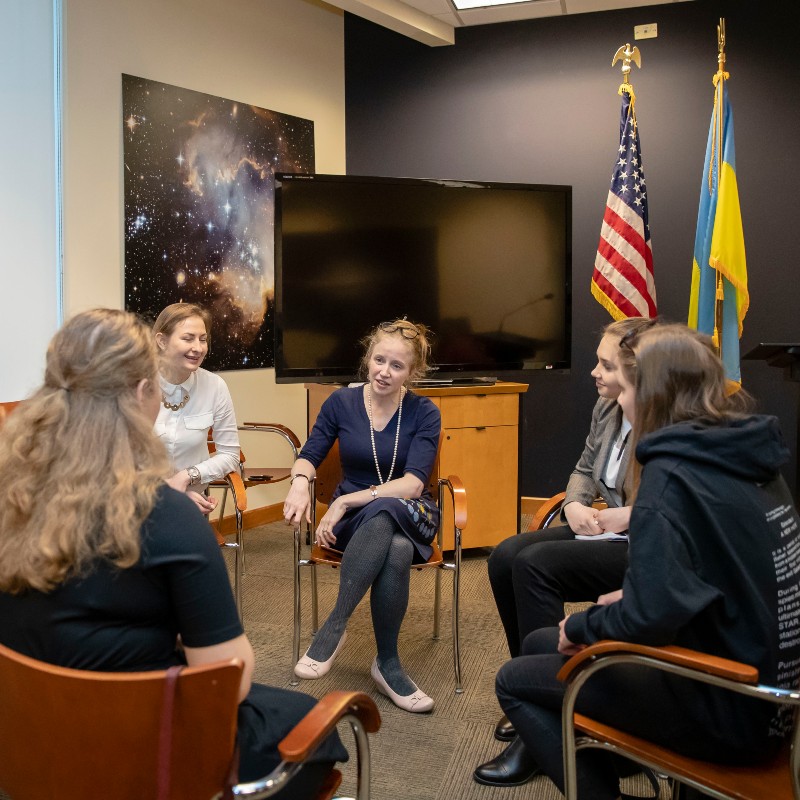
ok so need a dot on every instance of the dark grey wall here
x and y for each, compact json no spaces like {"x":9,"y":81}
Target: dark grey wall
{"x":536,"y":102}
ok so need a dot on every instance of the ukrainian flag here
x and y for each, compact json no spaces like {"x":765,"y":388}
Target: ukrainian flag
{"x":719,"y":242}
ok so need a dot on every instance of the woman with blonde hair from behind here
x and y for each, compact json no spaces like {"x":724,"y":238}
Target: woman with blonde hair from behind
{"x":105,"y":567}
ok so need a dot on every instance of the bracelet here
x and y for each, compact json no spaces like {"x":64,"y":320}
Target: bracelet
{"x":373,"y":490}
{"x":298,"y":475}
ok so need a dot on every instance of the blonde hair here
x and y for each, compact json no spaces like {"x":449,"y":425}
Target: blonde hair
{"x":79,"y":463}
{"x":630,"y":326}
{"x":416,"y":335}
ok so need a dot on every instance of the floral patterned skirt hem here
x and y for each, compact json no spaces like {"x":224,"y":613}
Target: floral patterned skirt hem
{"x":417,"y":518}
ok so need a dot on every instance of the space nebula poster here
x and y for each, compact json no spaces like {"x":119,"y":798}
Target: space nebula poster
{"x":199,"y":210}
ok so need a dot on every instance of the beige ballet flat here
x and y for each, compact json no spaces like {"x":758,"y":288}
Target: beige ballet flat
{"x":310,"y":669}
{"x":417,"y":702}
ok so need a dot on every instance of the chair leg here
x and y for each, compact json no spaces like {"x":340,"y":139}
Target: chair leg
{"x":456,"y":612}
{"x":677,"y":791}
{"x":314,"y":599}
{"x":296,"y":636}
{"x":437,"y":602}
{"x":237,"y":565}
{"x":222,"y":507}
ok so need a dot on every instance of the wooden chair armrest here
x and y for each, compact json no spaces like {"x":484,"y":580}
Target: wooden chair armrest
{"x":275,"y":428}
{"x":681,"y":656}
{"x":545,"y":509}
{"x":459,"y":495}
{"x":239,"y":492}
{"x":309,"y":733}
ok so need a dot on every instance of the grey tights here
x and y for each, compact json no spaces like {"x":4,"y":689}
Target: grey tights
{"x":380,"y":557}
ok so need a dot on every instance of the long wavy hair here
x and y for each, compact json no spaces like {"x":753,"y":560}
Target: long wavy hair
{"x":79,"y":464}
{"x":678,"y":378}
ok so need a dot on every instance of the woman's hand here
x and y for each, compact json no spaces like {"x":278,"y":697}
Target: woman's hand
{"x":614,"y":520}
{"x":297,"y":505}
{"x":334,"y":513}
{"x":582,"y":519}
{"x":565,"y":646}
{"x":611,"y":597}
{"x":180,"y":480}
{"x":205,"y":504}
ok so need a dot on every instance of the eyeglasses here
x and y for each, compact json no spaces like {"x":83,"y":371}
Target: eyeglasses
{"x":629,"y":339}
{"x":408,"y":330}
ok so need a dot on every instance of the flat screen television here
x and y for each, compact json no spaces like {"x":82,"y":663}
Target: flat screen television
{"x":486,"y":266}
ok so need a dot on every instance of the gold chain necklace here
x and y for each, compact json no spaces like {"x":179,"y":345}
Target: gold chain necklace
{"x":175,"y":406}
{"x":372,"y":434}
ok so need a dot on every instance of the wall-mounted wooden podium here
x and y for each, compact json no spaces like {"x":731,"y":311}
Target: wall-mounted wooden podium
{"x":787,"y":357}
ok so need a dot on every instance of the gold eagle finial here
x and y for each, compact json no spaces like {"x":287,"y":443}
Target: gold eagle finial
{"x":627,"y":55}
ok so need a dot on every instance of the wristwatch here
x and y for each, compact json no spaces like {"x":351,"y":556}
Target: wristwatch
{"x":194,"y":476}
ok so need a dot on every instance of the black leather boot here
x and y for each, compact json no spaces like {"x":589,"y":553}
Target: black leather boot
{"x":504,"y":731}
{"x":513,"y":767}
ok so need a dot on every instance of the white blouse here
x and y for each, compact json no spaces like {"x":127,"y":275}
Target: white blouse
{"x":185,"y":432}
{"x":611,"y":477}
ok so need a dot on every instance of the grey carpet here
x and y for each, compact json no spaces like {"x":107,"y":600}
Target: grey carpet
{"x":414,"y":756}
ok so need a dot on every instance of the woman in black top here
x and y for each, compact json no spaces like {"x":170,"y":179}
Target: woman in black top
{"x":102,"y":565}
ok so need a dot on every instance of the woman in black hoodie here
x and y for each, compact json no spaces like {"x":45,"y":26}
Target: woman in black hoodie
{"x":714,"y":565}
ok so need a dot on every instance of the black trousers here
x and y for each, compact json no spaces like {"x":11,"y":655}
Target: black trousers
{"x":644,"y":702}
{"x":266,"y":715}
{"x":533,"y":574}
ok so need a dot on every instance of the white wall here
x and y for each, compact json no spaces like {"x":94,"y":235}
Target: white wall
{"x":285,"y":55}
{"x":29,"y":263}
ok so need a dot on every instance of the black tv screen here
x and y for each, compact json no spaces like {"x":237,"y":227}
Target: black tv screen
{"x":487,"y":266}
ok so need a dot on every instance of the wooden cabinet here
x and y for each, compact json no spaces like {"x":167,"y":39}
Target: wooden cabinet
{"x":480,"y":445}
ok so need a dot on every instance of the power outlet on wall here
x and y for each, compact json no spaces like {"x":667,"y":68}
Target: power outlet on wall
{"x":645,"y":31}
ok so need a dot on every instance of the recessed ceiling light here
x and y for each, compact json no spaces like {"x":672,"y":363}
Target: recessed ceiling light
{"x":464,"y":4}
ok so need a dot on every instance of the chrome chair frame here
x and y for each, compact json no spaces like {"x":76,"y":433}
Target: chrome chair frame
{"x":451,"y":484}
{"x":625,"y":653}
{"x":238,"y":490}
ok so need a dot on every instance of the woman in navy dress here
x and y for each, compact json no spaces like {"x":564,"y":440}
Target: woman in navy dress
{"x":382,"y":516}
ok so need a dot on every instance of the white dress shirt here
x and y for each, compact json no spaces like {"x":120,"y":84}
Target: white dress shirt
{"x":612,"y":476}
{"x":185,"y":432}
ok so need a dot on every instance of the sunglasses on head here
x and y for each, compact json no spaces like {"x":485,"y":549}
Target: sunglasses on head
{"x":630,"y":338}
{"x":408,"y":330}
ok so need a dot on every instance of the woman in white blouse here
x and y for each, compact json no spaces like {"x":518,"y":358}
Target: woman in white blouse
{"x":192,"y":401}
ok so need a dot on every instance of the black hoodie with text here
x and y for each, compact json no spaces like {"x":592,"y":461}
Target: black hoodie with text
{"x":714,"y":565}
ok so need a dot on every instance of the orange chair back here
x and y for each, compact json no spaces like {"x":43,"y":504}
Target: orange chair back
{"x":6,"y":408}
{"x":74,"y":734}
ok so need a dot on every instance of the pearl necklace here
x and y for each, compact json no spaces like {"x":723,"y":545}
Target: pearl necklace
{"x":372,"y":434}
{"x":175,"y":406}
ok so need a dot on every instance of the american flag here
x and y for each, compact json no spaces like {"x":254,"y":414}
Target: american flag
{"x":622,"y":281}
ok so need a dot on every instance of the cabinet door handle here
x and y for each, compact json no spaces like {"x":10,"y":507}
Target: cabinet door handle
{"x":480,"y":427}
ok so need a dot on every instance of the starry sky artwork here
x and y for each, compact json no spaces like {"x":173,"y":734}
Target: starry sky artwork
{"x":199,"y":210}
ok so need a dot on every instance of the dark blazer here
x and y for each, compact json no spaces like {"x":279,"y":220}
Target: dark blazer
{"x":585,"y":483}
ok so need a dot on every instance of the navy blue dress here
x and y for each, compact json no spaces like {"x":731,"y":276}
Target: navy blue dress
{"x":344,"y":416}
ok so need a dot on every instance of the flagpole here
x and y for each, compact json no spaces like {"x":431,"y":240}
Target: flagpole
{"x":622,"y":279}
{"x":716,"y":161}
{"x":719,"y":299}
